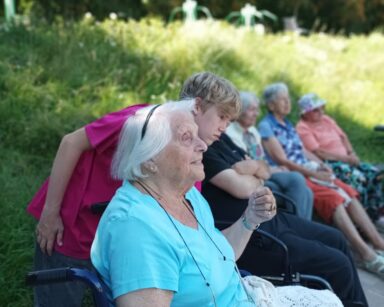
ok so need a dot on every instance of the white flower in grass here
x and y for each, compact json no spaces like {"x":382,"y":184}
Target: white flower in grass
{"x":113,"y":16}
{"x":88,"y":15}
{"x":259,"y":29}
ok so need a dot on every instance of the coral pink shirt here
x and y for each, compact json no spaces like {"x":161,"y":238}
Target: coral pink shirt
{"x":90,"y":183}
{"x":326,"y":135}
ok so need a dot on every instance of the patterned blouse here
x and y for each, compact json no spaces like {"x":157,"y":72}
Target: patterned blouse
{"x":287,"y":137}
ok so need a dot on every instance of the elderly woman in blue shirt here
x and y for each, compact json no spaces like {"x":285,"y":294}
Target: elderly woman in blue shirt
{"x":156,"y":244}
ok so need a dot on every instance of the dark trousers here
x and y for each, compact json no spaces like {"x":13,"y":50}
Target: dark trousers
{"x":314,"y":248}
{"x":68,"y":294}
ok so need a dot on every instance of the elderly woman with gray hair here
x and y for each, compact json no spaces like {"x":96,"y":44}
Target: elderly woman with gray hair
{"x":156,"y":244}
{"x":334,"y":201}
{"x":245,"y":135}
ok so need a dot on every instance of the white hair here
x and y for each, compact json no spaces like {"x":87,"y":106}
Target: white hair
{"x":246,"y":99}
{"x":132,"y":151}
{"x":273,"y":90}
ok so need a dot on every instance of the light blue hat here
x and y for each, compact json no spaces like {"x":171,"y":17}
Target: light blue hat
{"x":309,"y":102}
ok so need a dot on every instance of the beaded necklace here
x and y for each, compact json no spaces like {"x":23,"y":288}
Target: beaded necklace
{"x":156,"y":196}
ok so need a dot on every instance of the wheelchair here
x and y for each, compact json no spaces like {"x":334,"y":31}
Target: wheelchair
{"x":69,"y":274}
{"x":98,"y":289}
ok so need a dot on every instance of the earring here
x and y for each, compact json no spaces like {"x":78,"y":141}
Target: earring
{"x":149,"y":167}
{"x":152,"y":167}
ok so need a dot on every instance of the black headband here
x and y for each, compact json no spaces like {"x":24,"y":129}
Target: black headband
{"x":147,"y":120}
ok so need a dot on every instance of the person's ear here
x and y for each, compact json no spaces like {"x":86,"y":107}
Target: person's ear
{"x":198,"y":109}
{"x":150,"y":167}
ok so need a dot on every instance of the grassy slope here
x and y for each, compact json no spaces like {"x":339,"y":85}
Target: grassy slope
{"x":56,"y":78}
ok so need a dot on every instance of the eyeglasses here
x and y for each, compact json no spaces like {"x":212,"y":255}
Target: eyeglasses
{"x":147,"y":120}
{"x":319,"y":109}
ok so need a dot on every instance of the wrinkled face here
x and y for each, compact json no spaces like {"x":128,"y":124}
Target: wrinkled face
{"x":212,"y":123}
{"x":248,"y":118}
{"x":281,"y":106}
{"x":181,"y":159}
{"x":314,"y":115}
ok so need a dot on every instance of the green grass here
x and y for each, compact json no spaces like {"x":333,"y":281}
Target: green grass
{"x":58,"y":77}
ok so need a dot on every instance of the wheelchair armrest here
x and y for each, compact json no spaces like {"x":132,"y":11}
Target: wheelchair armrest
{"x":287,"y":275}
{"x":306,"y":280}
{"x":317,"y":280}
{"x":48,"y":276}
{"x":60,"y":275}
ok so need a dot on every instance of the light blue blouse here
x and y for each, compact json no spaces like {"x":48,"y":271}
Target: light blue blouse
{"x":137,"y":246}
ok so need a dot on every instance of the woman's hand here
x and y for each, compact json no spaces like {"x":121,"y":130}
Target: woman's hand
{"x":261,"y":207}
{"x":353,"y":159}
{"x":325,"y":168}
{"x":324,"y":176}
{"x":48,"y":231}
{"x":278,"y":169}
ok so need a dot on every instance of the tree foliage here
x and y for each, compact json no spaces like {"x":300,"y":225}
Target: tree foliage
{"x":345,"y":16}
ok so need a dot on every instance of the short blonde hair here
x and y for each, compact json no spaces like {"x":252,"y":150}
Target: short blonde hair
{"x":214,"y":91}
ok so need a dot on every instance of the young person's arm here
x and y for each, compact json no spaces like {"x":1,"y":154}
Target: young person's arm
{"x":50,"y":226}
{"x":257,"y":168}
{"x":219,"y":172}
{"x":239,"y":186}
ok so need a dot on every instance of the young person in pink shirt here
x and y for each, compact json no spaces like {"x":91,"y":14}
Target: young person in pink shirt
{"x":322,"y":136}
{"x":80,"y":177}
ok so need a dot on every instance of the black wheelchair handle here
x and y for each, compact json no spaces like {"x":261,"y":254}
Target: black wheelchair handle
{"x":46,"y":276}
{"x":99,"y":208}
